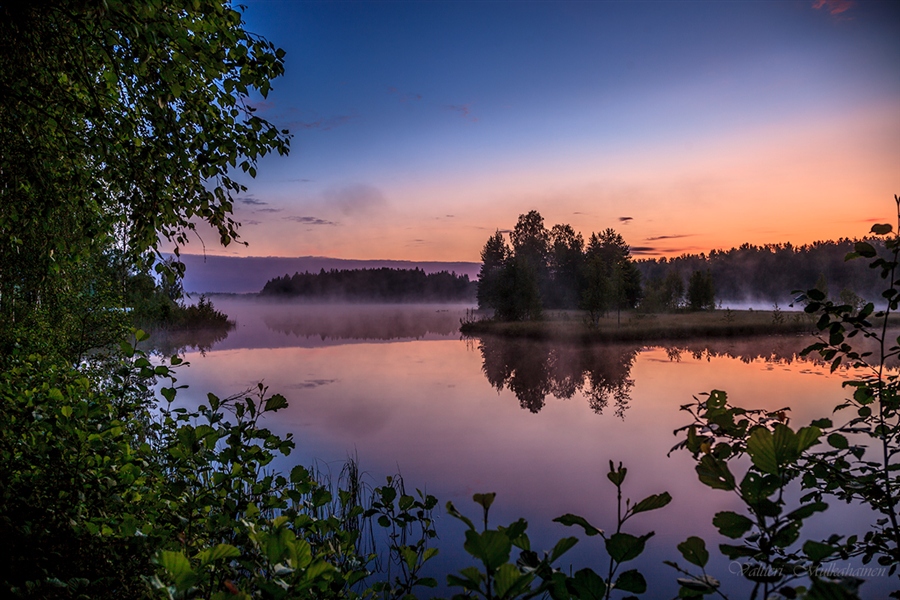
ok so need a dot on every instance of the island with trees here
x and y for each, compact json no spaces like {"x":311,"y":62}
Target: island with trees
{"x":551,"y":283}
{"x":373,"y":285}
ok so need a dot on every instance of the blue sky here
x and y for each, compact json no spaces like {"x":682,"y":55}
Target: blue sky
{"x":421,"y":127}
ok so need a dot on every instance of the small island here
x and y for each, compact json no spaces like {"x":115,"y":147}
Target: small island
{"x":551,"y":284}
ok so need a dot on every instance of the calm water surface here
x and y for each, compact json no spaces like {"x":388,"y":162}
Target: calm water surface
{"x":537,"y":423}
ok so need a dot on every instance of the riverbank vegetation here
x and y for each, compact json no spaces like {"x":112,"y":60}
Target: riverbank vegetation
{"x":635,"y":326}
{"x":111,"y":487}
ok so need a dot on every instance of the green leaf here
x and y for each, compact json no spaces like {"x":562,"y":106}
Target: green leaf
{"x":717,"y":399}
{"x":761,"y":448}
{"x":715,"y":473}
{"x":300,"y":474}
{"x":817,"y":551}
{"x":276,"y":402}
{"x":694,"y":551}
{"x":631,"y":581}
{"x":490,"y":547}
{"x":623,"y":547}
{"x":865,"y":249}
{"x":731,"y":524}
{"x":453,"y":512}
{"x":485,"y":500}
{"x":881,"y":228}
{"x":617,"y":476}
{"x":471,"y":579}
{"x":569,"y":519}
{"x":807,"y":510}
{"x":410,"y":556}
{"x":653,"y":502}
{"x":807,"y":437}
{"x":836,"y":440}
{"x":586,"y":585}
{"x":787,"y":535}
{"x":562,"y":546}
{"x":218,"y":552}
{"x":178,"y":567}
{"x":516,"y":534}
{"x":507,"y":577}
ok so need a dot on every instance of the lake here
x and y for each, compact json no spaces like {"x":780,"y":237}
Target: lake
{"x":537,"y":423}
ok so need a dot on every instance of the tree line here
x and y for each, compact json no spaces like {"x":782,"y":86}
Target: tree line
{"x":540,"y":268}
{"x":383,"y":284}
{"x":763,"y":273}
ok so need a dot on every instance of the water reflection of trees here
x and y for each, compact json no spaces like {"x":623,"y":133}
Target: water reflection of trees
{"x":783,"y":349}
{"x":170,"y":342}
{"x":533,"y":370}
{"x":362,"y":322}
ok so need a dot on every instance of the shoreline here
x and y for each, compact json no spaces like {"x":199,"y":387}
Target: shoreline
{"x":638,"y":327}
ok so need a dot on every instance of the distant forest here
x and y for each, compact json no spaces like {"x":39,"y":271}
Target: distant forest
{"x":771,"y":272}
{"x":374,"y":285}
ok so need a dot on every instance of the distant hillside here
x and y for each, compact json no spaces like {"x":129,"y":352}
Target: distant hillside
{"x":241,"y":275}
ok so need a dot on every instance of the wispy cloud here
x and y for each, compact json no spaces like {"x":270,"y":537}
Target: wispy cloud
{"x":668,"y":237}
{"x":463,"y":110}
{"x":268,"y":210}
{"x":249,"y":200}
{"x":310,"y":383}
{"x":323,"y":124}
{"x":355,"y":198}
{"x":626,"y":220}
{"x":834,"y":7}
{"x":404,"y":96}
{"x":309,"y":220}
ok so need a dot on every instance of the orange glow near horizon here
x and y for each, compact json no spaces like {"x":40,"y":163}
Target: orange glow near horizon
{"x":798,"y":183}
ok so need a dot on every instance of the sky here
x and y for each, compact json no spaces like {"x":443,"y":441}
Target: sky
{"x":420,"y":128}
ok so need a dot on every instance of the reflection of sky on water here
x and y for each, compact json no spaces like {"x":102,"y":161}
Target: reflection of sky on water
{"x":426,"y":407}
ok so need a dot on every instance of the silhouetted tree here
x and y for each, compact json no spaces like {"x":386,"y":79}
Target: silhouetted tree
{"x":566,"y":266}
{"x":701,"y":292}
{"x":493,"y":260}
{"x":554,"y":269}
{"x":519,"y":296}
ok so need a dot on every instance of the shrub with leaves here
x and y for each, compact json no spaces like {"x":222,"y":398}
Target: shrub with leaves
{"x":532,"y":574}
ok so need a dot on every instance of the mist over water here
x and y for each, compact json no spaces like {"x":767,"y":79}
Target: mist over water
{"x":536,"y":422}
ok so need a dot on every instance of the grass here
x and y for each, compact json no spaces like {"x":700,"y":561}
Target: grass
{"x":634,"y":326}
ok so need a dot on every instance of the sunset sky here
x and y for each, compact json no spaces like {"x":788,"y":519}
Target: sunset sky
{"x":422,"y":127}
